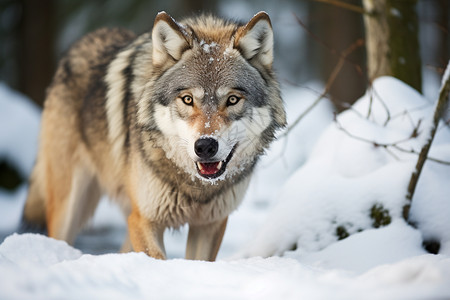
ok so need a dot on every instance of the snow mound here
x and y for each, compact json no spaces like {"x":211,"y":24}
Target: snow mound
{"x":36,"y":250}
{"x":53,"y":270}
{"x":338,"y":187}
{"x":19,"y":131}
{"x":357,"y":176}
{"x":288,"y":153}
{"x":285,"y":156}
{"x":368,"y":249}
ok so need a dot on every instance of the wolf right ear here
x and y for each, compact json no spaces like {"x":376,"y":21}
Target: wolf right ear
{"x":255,"y":40}
{"x":168,"y":40}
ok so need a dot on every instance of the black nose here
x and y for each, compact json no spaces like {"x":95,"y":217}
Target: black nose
{"x":206,"y":148}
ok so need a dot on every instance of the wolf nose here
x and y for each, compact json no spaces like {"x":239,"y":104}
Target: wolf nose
{"x":206,"y":148}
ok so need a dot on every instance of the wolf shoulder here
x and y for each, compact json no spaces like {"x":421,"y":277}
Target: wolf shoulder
{"x":90,"y":55}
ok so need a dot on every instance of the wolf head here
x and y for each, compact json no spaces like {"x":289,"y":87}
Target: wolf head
{"x":212,"y":95}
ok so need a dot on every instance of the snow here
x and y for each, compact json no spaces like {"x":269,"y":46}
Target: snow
{"x":208,"y":47}
{"x":54,"y":270}
{"x":20,"y":119}
{"x":282,"y":243}
{"x":395,"y":12}
{"x":345,"y":177}
{"x":374,"y":247}
{"x":288,"y":153}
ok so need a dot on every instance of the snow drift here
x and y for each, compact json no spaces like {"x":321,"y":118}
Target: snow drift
{"x":337,"y":205}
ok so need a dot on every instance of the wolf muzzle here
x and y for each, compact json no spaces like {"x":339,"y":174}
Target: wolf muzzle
{"x":206,"y":148}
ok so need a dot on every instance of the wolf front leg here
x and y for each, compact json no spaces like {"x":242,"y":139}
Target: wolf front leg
{"x":146,"y":236}
{"x":204,"y":240}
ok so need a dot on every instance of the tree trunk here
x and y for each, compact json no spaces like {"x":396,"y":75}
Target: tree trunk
{"x":338,"y":28}
{"x":392,"y":40}
{"x":36,"y":63}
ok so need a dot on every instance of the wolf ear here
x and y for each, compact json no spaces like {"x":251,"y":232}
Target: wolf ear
{"x":255,"y":40}
{"x":168,"y":40}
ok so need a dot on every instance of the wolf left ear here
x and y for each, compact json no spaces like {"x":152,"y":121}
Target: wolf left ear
{"x":255,"y":40}
{"x":168,"y":40}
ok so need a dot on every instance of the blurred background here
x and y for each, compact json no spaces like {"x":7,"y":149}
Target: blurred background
{"x":309,"y":35}
{"x":34,"y":34}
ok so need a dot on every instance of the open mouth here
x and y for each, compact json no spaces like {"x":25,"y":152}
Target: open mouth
{"x":213,"y":169}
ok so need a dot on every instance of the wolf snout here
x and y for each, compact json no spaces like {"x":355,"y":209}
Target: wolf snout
{"x":206,"y":148}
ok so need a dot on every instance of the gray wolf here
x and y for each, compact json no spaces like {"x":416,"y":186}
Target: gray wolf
{"x":169,"y":124}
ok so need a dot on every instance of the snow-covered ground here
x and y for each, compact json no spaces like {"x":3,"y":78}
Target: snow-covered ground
{"x":326,"y":181}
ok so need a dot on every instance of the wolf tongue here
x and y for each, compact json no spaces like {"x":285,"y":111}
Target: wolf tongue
{"x":209,"y":168}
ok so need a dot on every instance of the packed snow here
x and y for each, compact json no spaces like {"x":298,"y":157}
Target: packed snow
{"x":322,"y":218}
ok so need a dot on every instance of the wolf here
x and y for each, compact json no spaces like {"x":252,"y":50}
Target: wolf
{"x":169,"y":124}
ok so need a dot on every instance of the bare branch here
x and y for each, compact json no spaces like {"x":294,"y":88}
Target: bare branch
{"x":358,"y":43}
{"x":388,"y":117}
{"x":412,"y":151}
{"x":438,"y":113}
{"x":392,"y":145}
{"x":372,"y":93}
{"x":374,"y":143}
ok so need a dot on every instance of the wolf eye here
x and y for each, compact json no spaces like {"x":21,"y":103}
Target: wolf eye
{"x":233,"y":100}
{"x":188,"y":100}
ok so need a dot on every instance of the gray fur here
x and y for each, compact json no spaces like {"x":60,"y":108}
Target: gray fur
{"x":123,"y":108}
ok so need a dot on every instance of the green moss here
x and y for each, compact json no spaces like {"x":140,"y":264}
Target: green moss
{"x":341,"y":232}
{"x":380,"y":216}
{"x":293,"y":247}
{"x":432,"y":246}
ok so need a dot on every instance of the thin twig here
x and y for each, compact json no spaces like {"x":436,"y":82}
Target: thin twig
{"x":388,"y":145}
{"x":363,"y":139}
{"x":358,"y":43}
{"x":369,"y":112}
{"x":438,"y":113}
{"x":409,"y":111}
{"x":412,"y":151}
{"x":386,"y":108}
{"x":389,"y":151}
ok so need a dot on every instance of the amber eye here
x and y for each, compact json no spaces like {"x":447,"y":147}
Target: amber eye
{"x":188,"y":100}
{"x":233,"y":100}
